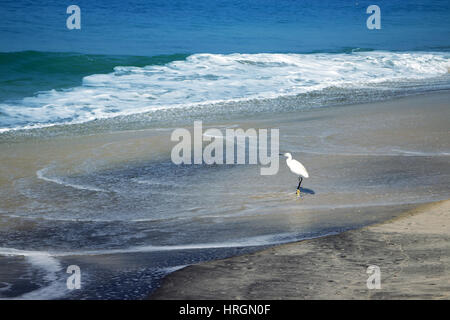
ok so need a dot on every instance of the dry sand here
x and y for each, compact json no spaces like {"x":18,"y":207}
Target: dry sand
{"x":412,"y":251}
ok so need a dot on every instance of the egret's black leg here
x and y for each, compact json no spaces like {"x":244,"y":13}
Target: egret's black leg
{"x":300,"y":179}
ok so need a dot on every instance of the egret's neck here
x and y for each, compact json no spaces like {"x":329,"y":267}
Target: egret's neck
{"x":289,"y":157}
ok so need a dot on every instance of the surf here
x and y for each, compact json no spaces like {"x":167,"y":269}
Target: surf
{"x":211,"y":79}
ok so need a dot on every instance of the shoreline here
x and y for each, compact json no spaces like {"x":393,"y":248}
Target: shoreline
{"x":360,"y":175}
{"x":412,"y":251}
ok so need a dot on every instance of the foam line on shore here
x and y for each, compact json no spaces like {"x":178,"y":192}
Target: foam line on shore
{"x":55,"y":287}
{"x":41,"y":175}
{"x":249,"y":242}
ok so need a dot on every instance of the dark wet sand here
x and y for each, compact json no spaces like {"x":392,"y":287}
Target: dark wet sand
{"x":412,"y":251}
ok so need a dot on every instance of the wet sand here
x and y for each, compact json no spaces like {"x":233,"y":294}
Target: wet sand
{"x":114,"y":204}
{"x":412,"y":251}
{"x":406,"y":137}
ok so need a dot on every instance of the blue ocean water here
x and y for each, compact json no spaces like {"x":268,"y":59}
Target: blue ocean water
{"x":216,"y":26}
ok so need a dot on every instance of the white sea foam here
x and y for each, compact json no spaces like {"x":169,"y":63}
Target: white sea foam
{"x":41,"y":175}
{"x":156,"y":182}
{"x":55,"y":287}
{"x":416,"y":153}
{"x":210,"y":78}
{"x":247,"y":242}
{"x":393,"y":153}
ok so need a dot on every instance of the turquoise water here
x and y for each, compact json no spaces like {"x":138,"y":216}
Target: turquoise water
{"x":28,"y":72}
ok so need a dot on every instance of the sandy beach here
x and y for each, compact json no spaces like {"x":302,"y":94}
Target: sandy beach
{"x":412,"y":251}
{"x":148,"y":149}
{"x":114,"y":204}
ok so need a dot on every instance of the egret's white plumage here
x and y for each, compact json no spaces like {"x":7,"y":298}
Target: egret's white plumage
{"x":295,"y":166}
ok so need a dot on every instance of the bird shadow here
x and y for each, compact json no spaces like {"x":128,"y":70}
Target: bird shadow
{"x":306,"y":190}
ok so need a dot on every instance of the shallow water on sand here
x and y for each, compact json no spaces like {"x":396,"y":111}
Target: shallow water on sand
{"x":115,"y":204}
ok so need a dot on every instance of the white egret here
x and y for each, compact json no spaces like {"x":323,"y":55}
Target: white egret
{"x":297,"y":168}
